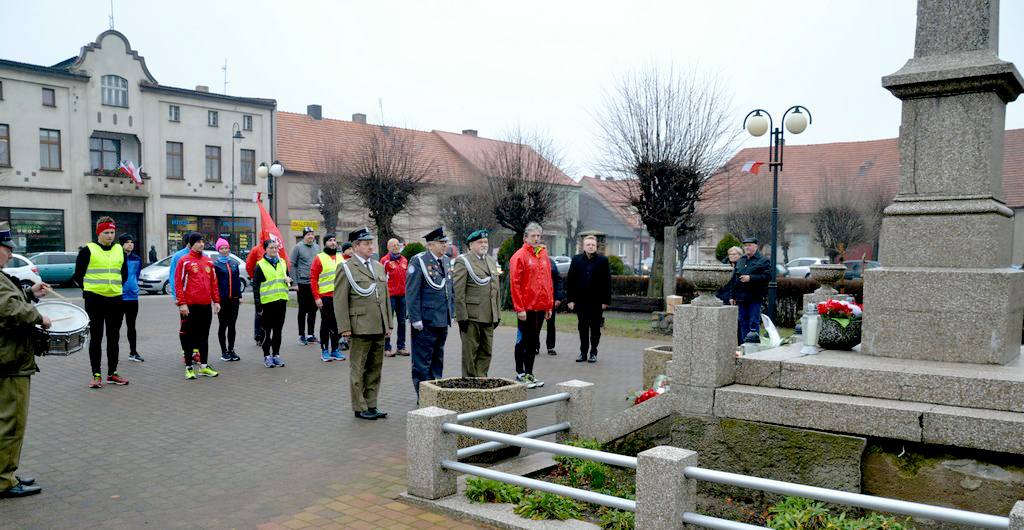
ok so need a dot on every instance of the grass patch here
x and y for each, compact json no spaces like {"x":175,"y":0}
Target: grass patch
{"x":616,"y":327}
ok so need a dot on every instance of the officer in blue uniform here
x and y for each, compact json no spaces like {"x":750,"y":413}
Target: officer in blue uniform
{"x":430,"y":299}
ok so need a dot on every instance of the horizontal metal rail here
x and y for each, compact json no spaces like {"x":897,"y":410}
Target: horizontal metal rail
{"x":852,"y":499}
{"x":511,"y":407}
{"x":490,"y":446}
{"x":541,"y":445}
{"x":532,"y":483}
{"x":716,"y":523}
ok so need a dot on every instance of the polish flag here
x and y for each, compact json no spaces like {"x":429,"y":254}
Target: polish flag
{"x":128,"y":168}
{"x":268,"y":230}
{"x":752,"y":167}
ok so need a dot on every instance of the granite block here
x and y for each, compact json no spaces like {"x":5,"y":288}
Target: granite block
{"x":764,"y":368}
{"x":980,"y":429}
{"x":441,"y":393}
{"x":1017,"y":516}
{"x":656,"y":359}
{"x":977,"y":228}
{"x":426,"y":446}
{"x":663,"y":493}
{"x":693,"y":399}
{"x":704,"y":346}
{"x":826,"y":412}
{"x":578,"y":411}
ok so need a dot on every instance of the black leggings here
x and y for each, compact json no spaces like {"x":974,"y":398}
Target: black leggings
{"x":307,"y":309}
{"x":195,"y":328}
{"x":226,"y":322}
{"x":528,"y":341}
{"x":328,"y":324}
{"x":272,"y":321}
{"x":104,"y":312}
{"x":131,"y":311}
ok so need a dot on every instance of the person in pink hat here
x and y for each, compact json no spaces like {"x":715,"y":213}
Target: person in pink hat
{"x":229,"y":284}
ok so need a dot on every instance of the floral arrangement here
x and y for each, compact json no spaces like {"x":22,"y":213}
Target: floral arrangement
{"x":661,"y":384}
{"x":840,"y":311}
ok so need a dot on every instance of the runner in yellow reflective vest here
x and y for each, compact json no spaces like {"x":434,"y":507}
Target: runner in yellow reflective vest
{"x":321,"y":279}
{"x":270,"y":293}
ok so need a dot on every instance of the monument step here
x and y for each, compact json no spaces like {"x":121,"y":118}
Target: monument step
{"x":902,"y":420}
{"x":976,"y":386}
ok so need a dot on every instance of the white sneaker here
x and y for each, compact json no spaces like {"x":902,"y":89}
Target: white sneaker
{"x":531,"y":382}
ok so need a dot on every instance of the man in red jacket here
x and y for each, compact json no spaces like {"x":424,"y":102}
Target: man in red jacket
{"x":396,"y":265}
{"x":195,"y":288}
{"x":532,"y":299}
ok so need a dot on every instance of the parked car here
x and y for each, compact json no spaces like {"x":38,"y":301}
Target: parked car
{"x":855,"y":269}
{"x":562,"y":263}
{"x":23,"y":269}
{"x":155,"y":278}
{"x":782,"y":271}
{"x":801,"y":267}
{"x":55,"y":267}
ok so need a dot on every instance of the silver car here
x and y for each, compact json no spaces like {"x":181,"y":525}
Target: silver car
{"x":801,"y":267}
{"x":23,"y":269}
{"x":155,"y":278}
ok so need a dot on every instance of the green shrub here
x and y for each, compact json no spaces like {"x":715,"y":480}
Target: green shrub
{"x":582,"y":472}
{"x":617,"y":520}
{"x":796,"y":513}
{"x":412,"y":249}
{"x":486,"y":490}
{"x":727,"y":242}
{"x":540,"y":505}
{"x":616,"y":265}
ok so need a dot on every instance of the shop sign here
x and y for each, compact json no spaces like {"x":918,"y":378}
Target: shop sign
{"x":298,"y":225}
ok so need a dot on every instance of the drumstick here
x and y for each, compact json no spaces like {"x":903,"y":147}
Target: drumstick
{"x":47,"y":288}
{"x":62,"y":318}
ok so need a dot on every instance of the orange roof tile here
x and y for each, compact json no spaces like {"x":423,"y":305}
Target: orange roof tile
{"x":475,"y":151}
{"x":614,"y":194}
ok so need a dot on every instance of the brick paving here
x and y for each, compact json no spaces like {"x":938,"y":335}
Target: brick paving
{"x":254,"y":448}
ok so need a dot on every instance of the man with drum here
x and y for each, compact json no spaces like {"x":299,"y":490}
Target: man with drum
{"x":101,"y":270}
{"x":17,"y":318}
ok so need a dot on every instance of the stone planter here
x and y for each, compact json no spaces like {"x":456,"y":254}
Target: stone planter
{"x":827,"y":276}
{"x":475,"y":393}
{"x":707,"y":279}
{"x":656,"y":360}
{"x":835,"y":337}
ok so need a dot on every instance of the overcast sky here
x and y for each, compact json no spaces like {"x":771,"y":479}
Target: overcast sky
{"x":488,"y":65}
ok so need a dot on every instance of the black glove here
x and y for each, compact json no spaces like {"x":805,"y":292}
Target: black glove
{"x":496,"y":324}
{"x":463,"y":326}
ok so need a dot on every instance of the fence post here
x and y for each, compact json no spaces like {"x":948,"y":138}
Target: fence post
{"x":663,"y":494}
{"x":578,"y":410}
{"x":1017,"y":516}
{"x":426,"y":446}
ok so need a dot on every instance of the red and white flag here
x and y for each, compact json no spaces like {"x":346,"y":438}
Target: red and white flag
{"x":268,"y":230}
{"x":752,"y":167}
{"x":134,"y":173}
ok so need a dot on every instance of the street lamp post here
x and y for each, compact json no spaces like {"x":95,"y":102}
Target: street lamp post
{"x":275,"y":170}
{"x":757,"y":122}
{"x":237,"y":139}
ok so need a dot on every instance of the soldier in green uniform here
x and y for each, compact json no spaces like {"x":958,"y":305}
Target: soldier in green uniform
{"x":17,"y":364}
{"x":476,"y":304}
{"x":362,"y":307}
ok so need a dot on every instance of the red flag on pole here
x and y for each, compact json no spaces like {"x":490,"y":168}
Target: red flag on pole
{"x":268,"y":230}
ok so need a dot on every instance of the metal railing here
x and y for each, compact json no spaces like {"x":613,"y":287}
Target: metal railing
{"x":511,"y":407}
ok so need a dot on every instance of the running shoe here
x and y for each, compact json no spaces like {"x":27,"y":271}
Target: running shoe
{"x":311,"y":339}
{"x":97,"y":381}
{"x":226,"y":357}
{"x":521,"y":378}
{"x":268,"y":361}
{"x":337,"y":355}
{"x":189,"y":373}
{"x":208,"y":372}
{"x":116,"y":379}
{"x":136,"y":358}
{"x":234,"y":356}
{"x":326,"y":356}
{"x":302,"y":339}
{"x":278,"y":361}
{"x":534,"y":381}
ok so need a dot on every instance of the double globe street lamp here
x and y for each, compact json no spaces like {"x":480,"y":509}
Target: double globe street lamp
{"x":274,"y":171}
{"x":757,"y":122}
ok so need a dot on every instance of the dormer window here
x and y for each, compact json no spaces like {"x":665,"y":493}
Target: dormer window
{"x":114,"y":90}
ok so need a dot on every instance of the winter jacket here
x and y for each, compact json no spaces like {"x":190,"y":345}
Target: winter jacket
{"x":229,"y":279}
{"x":301,"y":260}
{"x":175,"y":258}
{"x":557,"y":283}
{"x":758,"y":267}
{"x":130,"y":289}
{"x":17,"y":315}
{"x":589,"y":280}
{"x":255,"y":255}
{"x":318,"y":268}
{"x":396,"y":266}
{"x":530,"y":280}
{"x":195,"y":282}
{"x":82,"y":264}
{"x":258,"y":278}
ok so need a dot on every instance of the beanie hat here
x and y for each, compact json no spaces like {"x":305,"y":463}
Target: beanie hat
{"x":221,"y":242}
{"x":125,"y":238}
{"x":192,"y":238}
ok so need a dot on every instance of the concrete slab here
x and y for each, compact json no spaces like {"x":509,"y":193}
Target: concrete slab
{"x":979,"y":429}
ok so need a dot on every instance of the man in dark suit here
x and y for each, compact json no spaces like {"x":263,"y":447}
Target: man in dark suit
{"x":752,"y":274}
{"x":589,"y":291}
{"x":363,"y":312}
{"x":430,"y":300}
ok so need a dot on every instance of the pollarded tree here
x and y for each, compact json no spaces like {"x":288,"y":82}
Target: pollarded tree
{"x":466,"y":211}
{"x":753,"y":217}
{"x":838,"y":221}
{"x":665,"y":132}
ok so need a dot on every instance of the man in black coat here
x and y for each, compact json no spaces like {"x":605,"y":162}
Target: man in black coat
{"x":752,"y":274}
{"x":588,"y":292}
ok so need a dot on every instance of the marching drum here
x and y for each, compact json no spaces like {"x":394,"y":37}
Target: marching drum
{"x":69,"y":331}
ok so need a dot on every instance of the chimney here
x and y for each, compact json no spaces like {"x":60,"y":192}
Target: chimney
{"x":203,"y":88}
{"x":359,"y":118}
{"x":315,"y":111}
{"x":469,"y":132}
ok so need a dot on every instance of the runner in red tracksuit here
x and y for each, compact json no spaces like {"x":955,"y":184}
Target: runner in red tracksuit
{"x":532,"y":299}
{"x":195,"y":288}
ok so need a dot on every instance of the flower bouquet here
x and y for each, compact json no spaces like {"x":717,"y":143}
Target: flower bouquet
{"x":840,"y":324}
{"x":660,"y":386}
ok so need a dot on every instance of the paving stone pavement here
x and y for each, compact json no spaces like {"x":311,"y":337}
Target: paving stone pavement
{"x":255,"y":447}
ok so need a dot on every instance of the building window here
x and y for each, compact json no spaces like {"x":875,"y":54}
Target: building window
{"x":248,"y":163}
{"x":174,"y":113}
{"x":212,"y":163}
{"x":247,"y":122}
{"x":104,"y":153}
{"x":114,"y":90}
{"x":175,"y":160}
{"x":211,"y":118}
{"x":5,"y":145}
{"x":49,"y":149}
{"x":1,"y":90}
{"x":49,"y":97}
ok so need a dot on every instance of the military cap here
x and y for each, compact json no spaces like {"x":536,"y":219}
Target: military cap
{"x":363,"y":234}
{"x":436,"y":235}
{"x":477,"y":234}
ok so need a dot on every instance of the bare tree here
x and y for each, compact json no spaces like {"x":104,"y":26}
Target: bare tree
{"x":753,"y":217}
{"x":524,"y":180}
{"x":838,"y":221}
{"x":328,"y":186}
{"x":666,"y":131}
{"x":385,"y":175}
{"x":465,"y":211}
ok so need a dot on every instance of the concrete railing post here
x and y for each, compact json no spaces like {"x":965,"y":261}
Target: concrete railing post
{"x":1017,"y":516}
{"x":703,"y":355}
{"x":426,"y":446}
{"x":663,"y":494}
{"x":578,"y":411}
